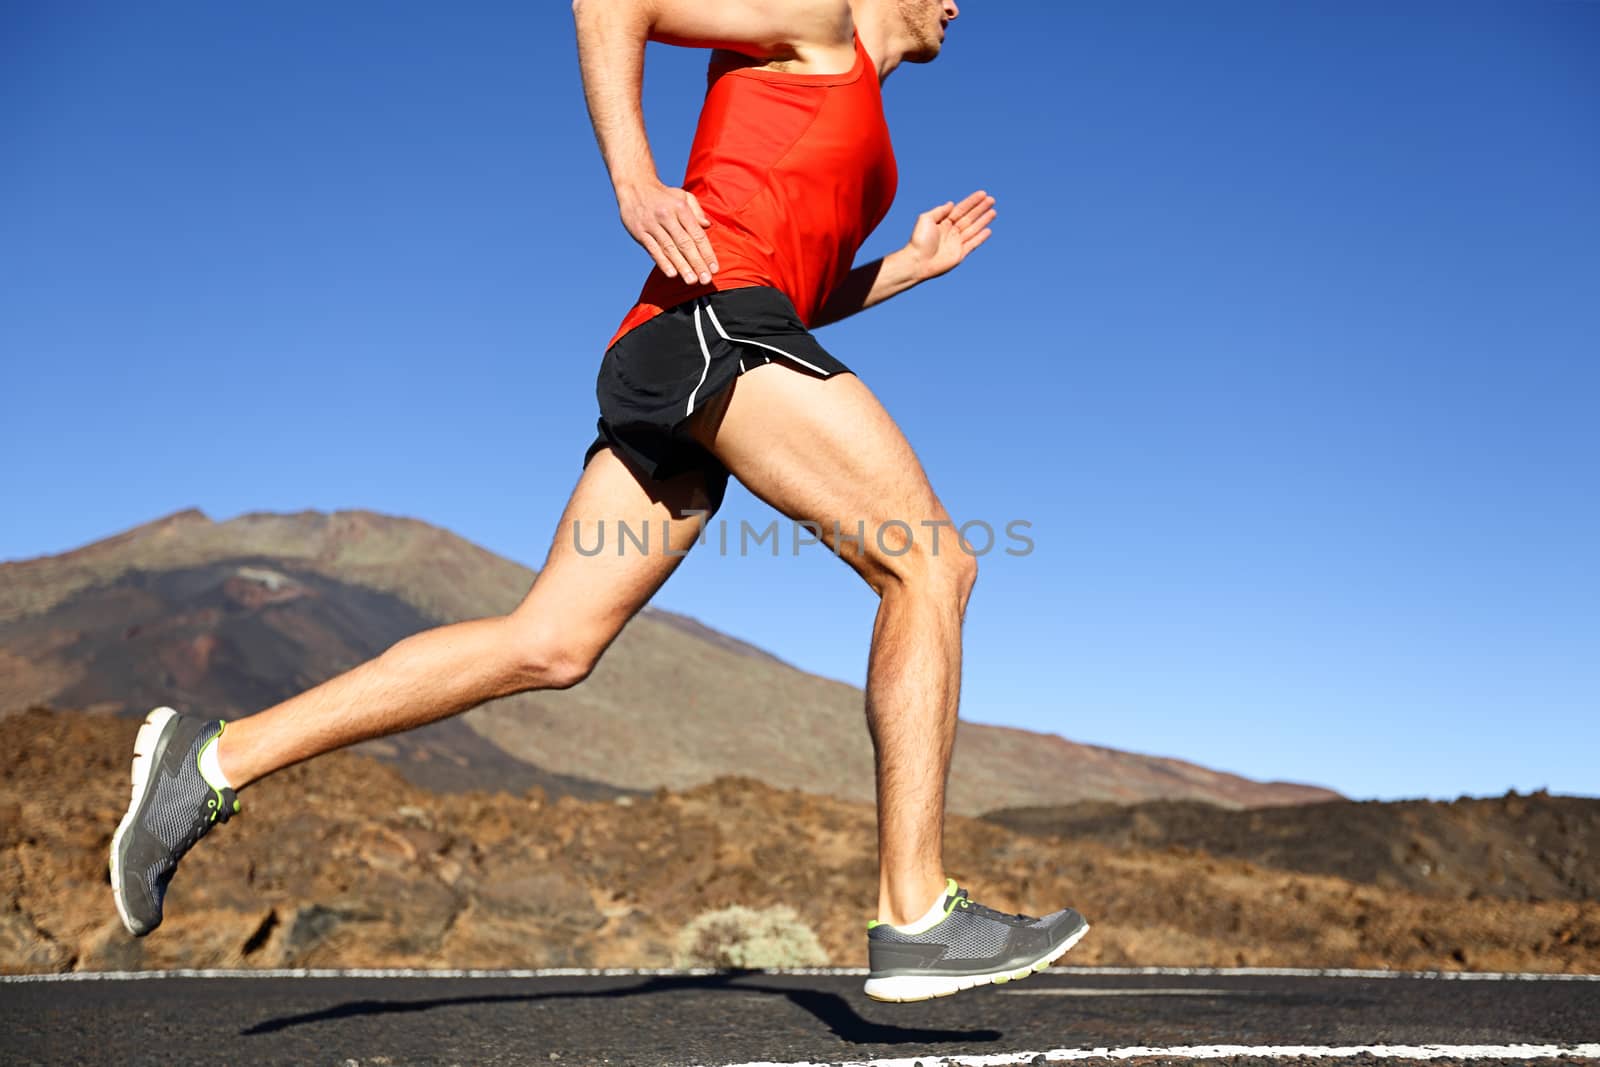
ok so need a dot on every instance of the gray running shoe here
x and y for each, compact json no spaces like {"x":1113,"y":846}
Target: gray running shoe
{"x":971,"y":946}
{"x":173,"y":807}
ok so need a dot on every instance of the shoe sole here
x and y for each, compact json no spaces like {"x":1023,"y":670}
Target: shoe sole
{"x":907,"y":988}
{"x":144,"y":758}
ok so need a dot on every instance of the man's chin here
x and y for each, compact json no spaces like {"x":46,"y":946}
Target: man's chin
{"x":924,"y":54}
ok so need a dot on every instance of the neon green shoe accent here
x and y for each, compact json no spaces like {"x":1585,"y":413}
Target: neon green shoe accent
{"x":950,"y":893}
{"x":214,"y":803}
{"x":209,"y":742}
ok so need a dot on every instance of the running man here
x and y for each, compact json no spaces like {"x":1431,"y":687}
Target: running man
{"x":713,"y":371}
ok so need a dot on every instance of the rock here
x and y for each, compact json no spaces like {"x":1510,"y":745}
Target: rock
{"x":111,"y":948}
{"x":25,"y":949}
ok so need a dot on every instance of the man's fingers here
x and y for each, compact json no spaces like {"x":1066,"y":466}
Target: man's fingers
{"x":677,"y":265}
{"x":968,"y":204}
{"x":693,"y":267}
{"x":701,"y":242}
{"x":970,"y":201}
{"x":685,"y":231}
{"x":976,"y":222}
{"x":940,"y":213}
{"x":699,"y":214}
{"x":969,"y":243}
{"x":670,"y":224}
{"x":974,"y":204}
{"x":653,"y":246}
{"x":684,"y":269}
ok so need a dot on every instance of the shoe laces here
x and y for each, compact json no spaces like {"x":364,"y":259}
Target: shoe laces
{"x":966,"y":903}
{"x":218,"y":809}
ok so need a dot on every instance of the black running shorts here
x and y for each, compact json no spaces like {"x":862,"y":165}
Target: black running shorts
{"x":668,"y":367}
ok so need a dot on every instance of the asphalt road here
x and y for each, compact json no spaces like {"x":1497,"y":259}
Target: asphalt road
{"x":712,"y":1020}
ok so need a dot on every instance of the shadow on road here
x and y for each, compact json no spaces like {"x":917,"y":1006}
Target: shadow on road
{"x":832,"y":1010}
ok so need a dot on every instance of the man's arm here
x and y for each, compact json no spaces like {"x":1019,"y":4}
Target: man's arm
{"x":941,"y":239}
{"x":669,"y":222}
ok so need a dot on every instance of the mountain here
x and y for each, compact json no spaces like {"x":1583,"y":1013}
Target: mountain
{"x":230,"y":617}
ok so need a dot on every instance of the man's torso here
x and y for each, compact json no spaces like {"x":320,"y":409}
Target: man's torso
{"x":794,"y":169}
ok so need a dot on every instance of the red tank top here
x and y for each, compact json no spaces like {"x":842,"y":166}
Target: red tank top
{"x":794,"y":170}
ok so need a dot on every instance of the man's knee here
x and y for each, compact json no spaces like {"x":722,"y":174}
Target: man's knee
{"x":968,"y":578}
{"x":941,"y":565}
{"x":963,"y":564}
{"x":549,"y":658}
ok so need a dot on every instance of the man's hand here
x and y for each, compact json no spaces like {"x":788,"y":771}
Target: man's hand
{"x":672,"y":228}
{"x":941,"y":239}
{"x":946,"y":235}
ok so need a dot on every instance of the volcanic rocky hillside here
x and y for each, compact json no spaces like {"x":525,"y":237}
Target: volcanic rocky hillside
{"x":1528,"y":848}
{"x":344,"y":863}
{"x":230,"y":617}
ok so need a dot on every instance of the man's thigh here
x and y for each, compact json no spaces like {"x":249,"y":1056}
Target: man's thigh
{"x":615,"y":545}
{"x":824,"y":450}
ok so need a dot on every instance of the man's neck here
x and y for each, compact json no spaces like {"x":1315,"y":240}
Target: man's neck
{"x":877,"y":25}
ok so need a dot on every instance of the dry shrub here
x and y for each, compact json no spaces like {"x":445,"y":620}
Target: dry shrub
{"x":738,"y":937}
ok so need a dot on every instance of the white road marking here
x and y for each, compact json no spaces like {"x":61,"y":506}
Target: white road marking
{"x":1334,"y":972}
{"x":834,"y":972}
{"x":1222,"y":1052}
{"x":1082,"y":991}
{"x":384,"y":972}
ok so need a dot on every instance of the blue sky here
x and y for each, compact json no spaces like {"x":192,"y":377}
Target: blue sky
{"x":1285,"y":343}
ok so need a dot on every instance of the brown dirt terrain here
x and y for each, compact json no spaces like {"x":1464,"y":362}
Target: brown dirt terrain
{"x":344,"y":863}
{"x":1530,"y":848}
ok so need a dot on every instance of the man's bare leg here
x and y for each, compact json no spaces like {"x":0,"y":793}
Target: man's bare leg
{"x":576,"y":607}
{"x":827,"y":452}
